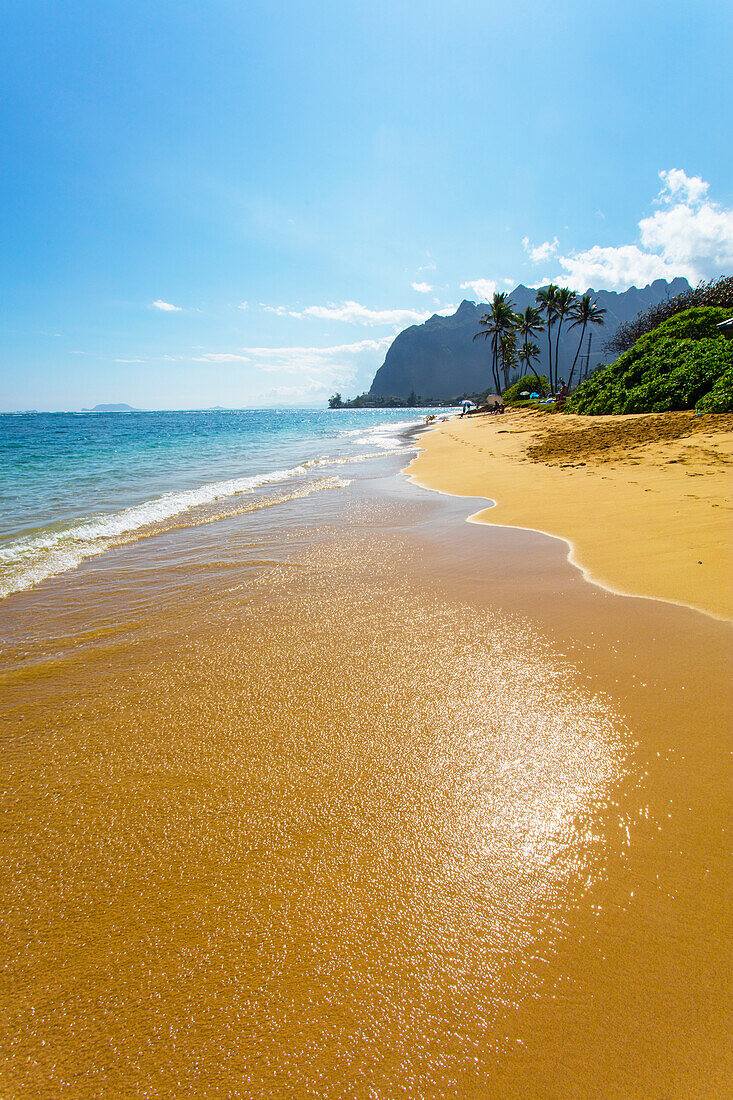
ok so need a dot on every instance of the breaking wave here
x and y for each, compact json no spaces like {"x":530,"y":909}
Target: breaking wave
{"x":33,"y":558}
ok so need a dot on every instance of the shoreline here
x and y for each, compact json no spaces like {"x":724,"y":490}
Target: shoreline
{"x":584,"y":481}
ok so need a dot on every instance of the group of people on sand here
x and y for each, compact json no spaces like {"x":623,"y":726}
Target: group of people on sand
{"x":497,"y":406}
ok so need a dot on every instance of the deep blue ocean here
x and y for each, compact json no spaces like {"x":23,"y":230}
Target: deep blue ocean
{"x":74,"y":484}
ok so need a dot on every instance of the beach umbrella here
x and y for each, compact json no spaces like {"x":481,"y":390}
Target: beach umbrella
{"x":524,"y":393}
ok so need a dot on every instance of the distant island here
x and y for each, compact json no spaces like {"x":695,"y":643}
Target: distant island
{"x":111,"y":409}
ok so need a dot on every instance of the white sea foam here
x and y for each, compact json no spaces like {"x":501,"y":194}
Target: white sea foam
{"x":382,"y":430}
{"x":389,"y":437}
{"x":30,"y":560}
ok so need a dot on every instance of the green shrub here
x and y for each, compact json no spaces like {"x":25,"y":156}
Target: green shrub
{"x":674,"y":367}
{"x":720,"y":397}
{"x":718,"y":292}
{"x":529,"y":382}
{"x":525,"y":403}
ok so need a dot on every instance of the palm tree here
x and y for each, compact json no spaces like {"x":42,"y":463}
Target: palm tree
{"x":529,"y":324}
{"x":498,"y":323}
{"x":546,"y":304}
{"x":584,"y":312}
{"x":564,"y":300}
{"x":527,"y":353}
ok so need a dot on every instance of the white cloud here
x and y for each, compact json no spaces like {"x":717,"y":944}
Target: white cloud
{"x":166,"y":306}
{"x":355,"y":314}
{"x":696,"y":240}
{"x":243,"y":305}
{"x":128,"y":360}
{"x":221,"y":357}
{"x":482,"y":288}
{"x":429,"y":266}
{"x":677,"y":186}
{"x":611,"y":268}
{"x":688,"y":235}
{"x":423,"y":288}
{"x":540,"y":252}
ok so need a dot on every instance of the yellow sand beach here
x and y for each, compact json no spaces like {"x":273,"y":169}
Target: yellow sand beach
{"x":643,"y":501}
{"x":335,"y":804}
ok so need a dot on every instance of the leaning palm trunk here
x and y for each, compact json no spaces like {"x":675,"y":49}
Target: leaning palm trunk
{"x":575,"y":360}
{"x":549,"y":354}
{"x":557,"y":351}
{"x":495,"y":362}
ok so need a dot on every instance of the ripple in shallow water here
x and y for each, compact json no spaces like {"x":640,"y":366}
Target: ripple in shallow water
{"x":325,"y":847}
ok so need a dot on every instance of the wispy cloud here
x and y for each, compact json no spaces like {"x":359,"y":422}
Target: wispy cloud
{"x":221,"y":357}
{"x":313,"y":390}
{"x":294,"y":360}
{"x":355,"y":314}
{"x":128,"y":360}
{"x":332,"y":360}
{"x":422,"y":288}
{"x":677,"y":186}
{"x":167,"y":307}
{"x":538,"y":253}
{"x":316,"y":371}
{"x":482,"y":288}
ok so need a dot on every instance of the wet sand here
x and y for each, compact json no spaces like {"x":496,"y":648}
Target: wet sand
{"x":644,"y":502}
{"x":361,"y":800}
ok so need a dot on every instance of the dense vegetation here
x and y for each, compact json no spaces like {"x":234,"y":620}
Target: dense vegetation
{"x":718,"y":292}
{"x":683,"y":363}
{"x":364,"y":401}
{"x":529,"y":383}
{"x":414,"y":401}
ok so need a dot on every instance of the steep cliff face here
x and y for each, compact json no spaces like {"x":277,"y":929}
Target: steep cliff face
{"x":440,"y":359}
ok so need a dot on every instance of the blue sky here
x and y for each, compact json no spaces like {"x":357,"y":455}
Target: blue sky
{"x":241,"y":203}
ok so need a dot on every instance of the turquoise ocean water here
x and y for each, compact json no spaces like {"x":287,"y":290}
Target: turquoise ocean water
{"x":75,"y":484}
